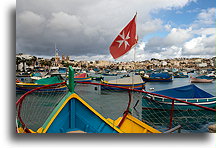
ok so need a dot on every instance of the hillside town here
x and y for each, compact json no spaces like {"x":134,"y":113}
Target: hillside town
{"x":28,"y":62}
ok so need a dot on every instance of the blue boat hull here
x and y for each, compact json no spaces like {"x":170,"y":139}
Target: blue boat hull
{"x":77,"y":116}
{"x":181,"y":76}
{"x":107,"y":74}
{"x":157,"y":80}
{"x":158,"y":104}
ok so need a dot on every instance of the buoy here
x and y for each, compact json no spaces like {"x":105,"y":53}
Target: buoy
{"x":212,"y":128}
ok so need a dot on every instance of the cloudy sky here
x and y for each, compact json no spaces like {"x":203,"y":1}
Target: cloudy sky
{"x":84,"y":29}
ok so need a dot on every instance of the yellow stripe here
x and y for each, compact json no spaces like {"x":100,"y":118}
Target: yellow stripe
{"x":21,"y":83}
{"x":84,"y":103}
{"x":120,"y":84}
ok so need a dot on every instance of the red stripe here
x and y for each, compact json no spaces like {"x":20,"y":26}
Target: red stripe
{"x":207,"y":108}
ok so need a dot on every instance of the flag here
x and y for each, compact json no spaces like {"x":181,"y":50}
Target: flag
{"x":126,"y":39}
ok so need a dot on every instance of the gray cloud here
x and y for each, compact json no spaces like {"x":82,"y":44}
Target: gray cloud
{"x":81,"y":27}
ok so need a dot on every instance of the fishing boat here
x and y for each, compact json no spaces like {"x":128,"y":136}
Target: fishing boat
{"x":73,"y":115}
{"x":109,"y":74}
{"x":62,"y":70}
{"x":181,"y":75}
{"x":158,"y":77}
{"x":23,"y":74}
{"x":187,"y":106}
{"x":212,"y":75}
{"x":189,"y":93}
{"x":205,"y":77}
{"x":38,"y":75}
{"x":134,"y":82}
{"x":82,"y":78}
{"x":24,"y":87}
{"x":197,"y":80}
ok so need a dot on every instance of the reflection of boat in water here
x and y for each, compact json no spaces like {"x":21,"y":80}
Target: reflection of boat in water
{"x":197,"y":80}
{"x":158,"y":77}
{"x":134,"y":82}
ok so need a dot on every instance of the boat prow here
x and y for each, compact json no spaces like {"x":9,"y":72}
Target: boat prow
{"x":74,"y":115}
{"x":197,"y":80}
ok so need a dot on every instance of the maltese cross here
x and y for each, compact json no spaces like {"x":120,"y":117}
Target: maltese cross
{"x":124,"y":39}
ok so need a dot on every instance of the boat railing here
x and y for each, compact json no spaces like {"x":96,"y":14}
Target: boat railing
{"x":153,"y":94}
{"x":172,"y":113}
{"x":24,"y":105}
{"x":184,"y":99}
{"x":73,"y":88}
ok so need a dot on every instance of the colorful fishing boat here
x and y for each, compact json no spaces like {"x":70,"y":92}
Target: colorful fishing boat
{"x":109,"y":74}
{"x":82,"y":78}
{"x":24,"y":87}
{"x":188,"y":106}
{"x":211,"y":75}
{"x":181,"y":75}
{"x":158,"y":77}
{"x":189,"y":93}
{"x":73,"y":115}
{"x":197,"y":80}
{"x":38,"y":75}
{"x":205,"y":77}
{"x":134,"y":82}
{"x":23,"y":74}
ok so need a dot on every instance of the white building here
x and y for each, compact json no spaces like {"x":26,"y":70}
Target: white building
{"x":163,"y":63}
{"x":21,"y":56}
{"x":202,"y":65}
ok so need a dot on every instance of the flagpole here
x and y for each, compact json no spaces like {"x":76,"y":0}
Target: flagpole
{"x":134,"y":56}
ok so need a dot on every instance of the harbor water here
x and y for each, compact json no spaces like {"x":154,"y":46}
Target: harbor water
{"x":112,"y":104}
